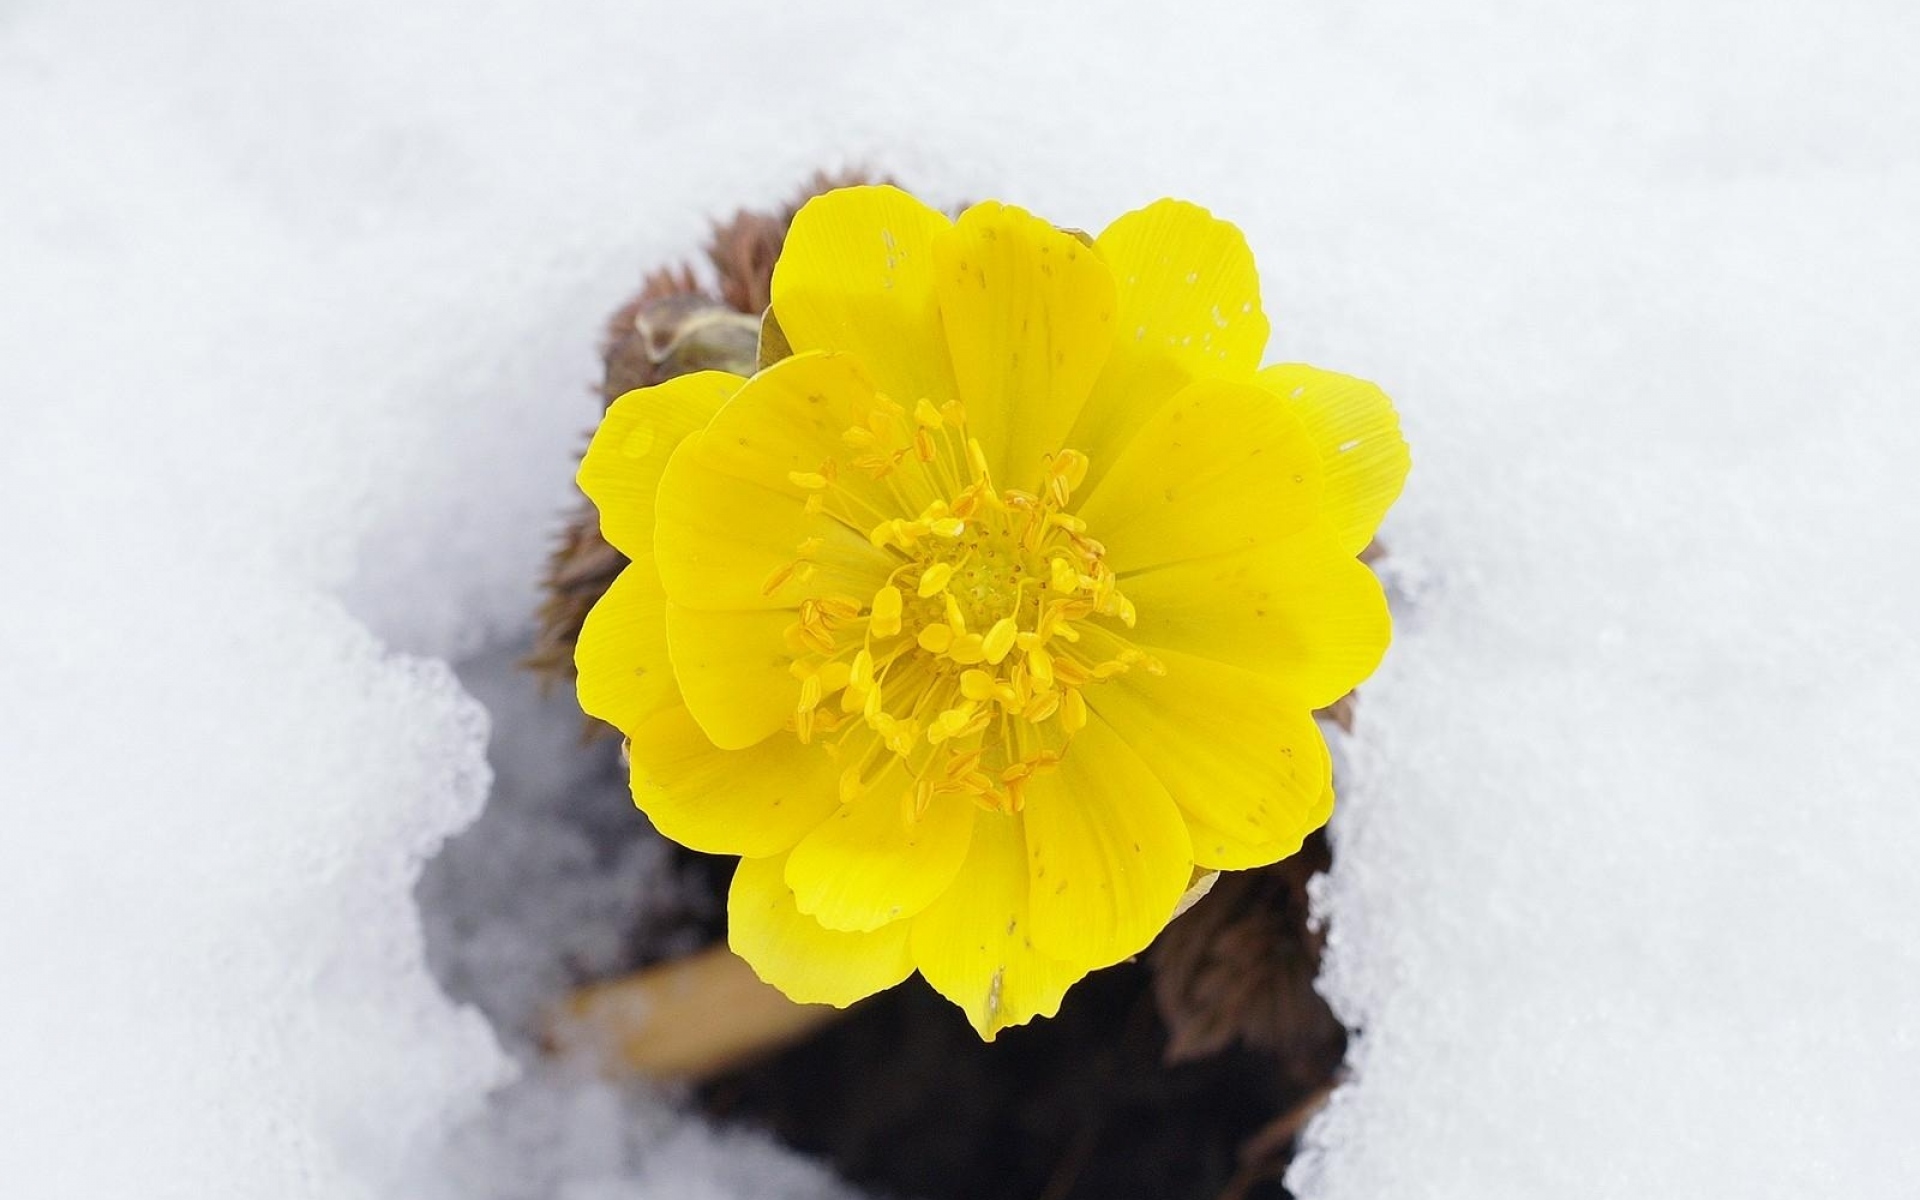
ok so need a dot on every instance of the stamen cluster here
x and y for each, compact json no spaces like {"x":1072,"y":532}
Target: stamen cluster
{"x":966,"y":670}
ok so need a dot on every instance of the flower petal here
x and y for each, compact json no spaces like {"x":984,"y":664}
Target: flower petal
{"x":856,"y":274}
{"x":732,"y":523}
{"x":1029,"y":319}
{"x":622,"y":466}
{"x":1220,"y":467}
{"x":733,"y":671}
{"x":791,"y":951}
{"x":625,"y":674}
{"x":975,"y":942}
{"x":1244,"y":760}
{"x":873,"y":861}
{"x":1107,"y":851}
{"x":1354,"y":427}
{"x":1189,"y":308}
{"x":755,"y":802}
{"x":1301,"y":610}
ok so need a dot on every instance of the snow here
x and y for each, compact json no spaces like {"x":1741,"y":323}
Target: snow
{"x":297,"y":342}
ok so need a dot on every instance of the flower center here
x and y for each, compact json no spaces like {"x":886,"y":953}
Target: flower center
{"x":964,"y":674}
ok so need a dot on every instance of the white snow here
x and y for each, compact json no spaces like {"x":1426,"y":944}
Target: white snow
{"x":298,"y":306}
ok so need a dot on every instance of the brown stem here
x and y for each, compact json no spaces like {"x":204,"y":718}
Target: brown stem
{"x":687,"y":1019}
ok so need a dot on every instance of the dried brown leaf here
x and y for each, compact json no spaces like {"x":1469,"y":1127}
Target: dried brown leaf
{"x":671,"y":327}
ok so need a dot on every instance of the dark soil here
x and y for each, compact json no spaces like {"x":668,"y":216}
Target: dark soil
{"x":903,"y":1098}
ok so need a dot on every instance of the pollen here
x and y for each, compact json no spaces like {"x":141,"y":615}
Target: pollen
{"x":969,"y":667}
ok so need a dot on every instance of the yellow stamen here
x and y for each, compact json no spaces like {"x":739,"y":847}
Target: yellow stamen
{"x":934,"y":579}
{"x":950,"y":722}
{"x":999,"y":639}
{"x":956,"y":619}
{"x":978,"y":685}
{"x":1073,"y":711}
{"x":886,"y":612}
{"x":917,"y":800}
{"x":967,"y":649}
{"x":1040,"y":665}
{"x":1041,"y":707}
{"x":778,"y":578}
{"x":1062,"y":577}
{"x":988,"y":579}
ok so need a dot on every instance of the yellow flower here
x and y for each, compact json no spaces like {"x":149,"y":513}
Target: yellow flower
{"x":982,"y":621}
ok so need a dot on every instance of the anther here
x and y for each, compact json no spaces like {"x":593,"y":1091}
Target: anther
{"x":886,"y":612}
{"x":1040,"y":666}
{"x":1041,"y":707}
{"x":1064,"y":579}
{"x":1073,"y":711}
{"x":838,"y":610}
{"x":977,"y":685}
{"x":999,"y":639}
{"x":949,"y":723}
{"x":934,"y":579}
{"x":778,"y":578}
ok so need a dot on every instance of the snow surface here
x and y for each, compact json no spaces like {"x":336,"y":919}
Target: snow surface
{"x":297,"y":318}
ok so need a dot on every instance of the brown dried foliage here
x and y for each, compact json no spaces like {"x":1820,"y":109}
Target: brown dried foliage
{"x":645,"y":344}
{"x":1240,"y":967}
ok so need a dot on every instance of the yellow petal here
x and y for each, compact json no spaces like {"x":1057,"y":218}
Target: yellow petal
{"x":974,"y":943}
{"x":733,"y":671}
{"x":1301,"y":610}
{"x":622,"y":466}
{"x":732,"y":518}
{"x":873,"y":861}
{"x":1189,"y":308}
{"x":625,"y":674}
{"x":1029,"y":319}
{"x":1108,"y":853}
{"x":1220,"y":467}
{"x":856,"y":274}
{"x":794,"y":953}
{"x":756,"y":802}
{"x":1354,"y":427}
{"x":1244,"y":760}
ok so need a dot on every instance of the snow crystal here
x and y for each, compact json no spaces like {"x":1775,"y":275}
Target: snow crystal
{"x":296,"y":347}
